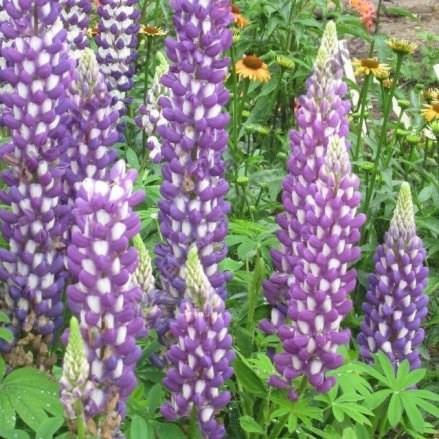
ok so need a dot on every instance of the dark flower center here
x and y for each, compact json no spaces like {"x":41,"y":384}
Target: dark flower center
{"x":150,"y":30}
{"x":370,"y":63}
{"x":252,"y":62}
{"x":435,"y":107}
{"x":235,"y":9}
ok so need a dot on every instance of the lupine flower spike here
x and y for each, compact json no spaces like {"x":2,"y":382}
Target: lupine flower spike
{"x":193,"y":209}
{"x":117,"y":41}
{"x":93,"y":124}
{"x":151,"y":115}
{"x":319,"y":294}
{"x":366,"y":10}
{"x":396,"y":302}
{"x":75,"y":384}
{"x":34,"y":227}
{"x":104,"y":296}
{"x":322,"y":112}
{"x":75,"y":16}
{"x":201,"y":358}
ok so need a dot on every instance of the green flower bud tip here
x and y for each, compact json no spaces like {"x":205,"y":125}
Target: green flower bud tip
{"x":337,"y":158}
{"x":403,"y":221}
{"x":367,"y":166}
{"x":75,"y":367}
{"x":88,"y":68}
{"x":286,"y":62}
{"x":242,"y":181}
{"x":413,"y":139}
{"x":328,"y":47}
{"x":198,"y":288}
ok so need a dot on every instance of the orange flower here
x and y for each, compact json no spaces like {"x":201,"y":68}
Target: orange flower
{"x":239,"y":19}
{"x":366,"y":10}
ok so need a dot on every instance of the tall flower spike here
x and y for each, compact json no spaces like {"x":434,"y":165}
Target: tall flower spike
{"x":75,"y":16}
{"x":117,"y":41}
{"x":104,"y":296}
{"x":192,"y":208}
{"x":366,"y":10}
{"x":319,"y":295}
{"x":75,"y":384}
{"x":38,"y":71}
{"x":200,"y":360}
{"x":322,"y":112}
{"x":151,"y":115}
{"x":93,"y":124}
{"x":395,"y":302}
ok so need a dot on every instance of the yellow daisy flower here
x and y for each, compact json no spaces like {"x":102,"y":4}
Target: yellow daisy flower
{"x":431,"y":111}
{"x":152,"y":31}
{"x":401,"y":46}
{"x":92,"y":31}
{"x":371,"y":66}
{"x":253,"y":68}
{"x":431,"y":94}
{"x":238,"y":18}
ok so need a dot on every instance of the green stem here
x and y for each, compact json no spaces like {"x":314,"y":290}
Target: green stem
{"x":290,"y":27}
{"x":382,"y":136}
{"x":146,"y":67}
{"x":377,"y":24}
{"x":80,"y":424}
{"x":362,"y":104}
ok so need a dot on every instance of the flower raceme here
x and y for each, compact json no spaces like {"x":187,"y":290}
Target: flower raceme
{"x":395,"y":302}
{"x":117,"y":41}
{"x":202,"y":355}
{"x":322,"y":113}
{"x":38,"y":72}
{"x":319,"y":293}
{"x":75,"y":16}
{"x":93,"y":125}
{"x":192,"y":208}
{"x":104,"y":296}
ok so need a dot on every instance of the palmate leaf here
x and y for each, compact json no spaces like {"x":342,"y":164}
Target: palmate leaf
{"x":31,"y":395}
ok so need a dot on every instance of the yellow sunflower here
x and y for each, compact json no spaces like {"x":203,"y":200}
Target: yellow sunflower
{"x":253,"y":68}
{"x":431,"y":111}
{"x":238,"y":18}
{"x":401,"y":46}
{"x":151,"y":31}
{"x":371,"y":66}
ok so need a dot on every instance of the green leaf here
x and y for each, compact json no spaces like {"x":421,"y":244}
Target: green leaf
{"x":6,"y":334}
{"x":377,"y":398}
{"x":132,"y":158}
{"x":249,"y":425}
{"x":349,"y":433}
{"x":247,"y":378}
{"x":394,"y":411}
{"x":6,"y":433}
{"x":49,"y":427}
{"x":155,"y":397}
{"x":414,"y":415}
{"x":2,"y":367}
{"x":4,"y":317}
{"x":411,"y":378}
{"x":387,"y":367}
{"x":139,"y":429}
{"x":32,"y":394}
{"x":428,"y":407}
{"x":7,"y":412}
{"x":168,"y":431}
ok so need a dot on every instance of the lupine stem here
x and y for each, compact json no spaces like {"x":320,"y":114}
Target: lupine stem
{"x":362,"y":106}
{"x":382,"y":137}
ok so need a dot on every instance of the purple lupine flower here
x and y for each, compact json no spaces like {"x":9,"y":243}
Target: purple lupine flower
{"x":322,"y":112}
{"x":117,"y":40}
{"x":395,"y":302}
{"x":202,"y":354}
{"x":104,"y":296}
{"x":75,"y":16}
{"x":319,"y":295}
{"x":151,"y":115}
{"x":192,"y":209}
{"x":38,"y":71}
{"x":3,"y":43}
{"x":93,"y":124}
